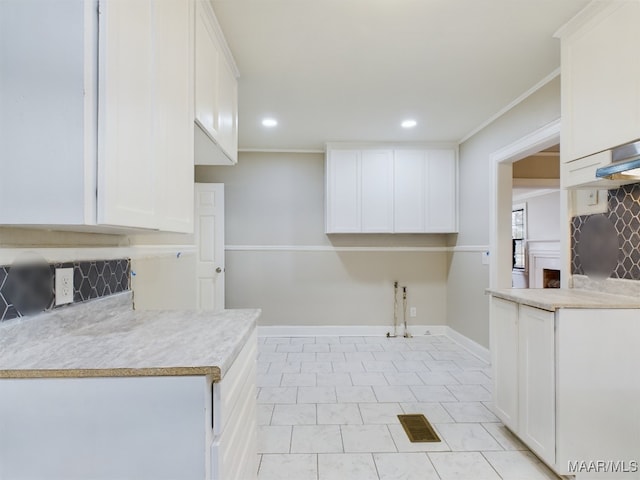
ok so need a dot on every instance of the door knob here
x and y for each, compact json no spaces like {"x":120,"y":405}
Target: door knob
{"x":218,"y":270}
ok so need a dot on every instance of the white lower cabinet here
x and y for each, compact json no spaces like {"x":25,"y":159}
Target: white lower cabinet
{"x":504,"y":358}
{"x":566,"y":383}
{"x":536,"y":386}
{"x":523,"y":359}
{"x":142,"y":428}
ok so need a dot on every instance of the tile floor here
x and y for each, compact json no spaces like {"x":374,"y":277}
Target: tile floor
{"x":327,"y":410}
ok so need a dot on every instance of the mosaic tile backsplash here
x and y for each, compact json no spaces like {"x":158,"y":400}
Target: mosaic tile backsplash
{"x":30,"y":289}
{"x":624,"y":213}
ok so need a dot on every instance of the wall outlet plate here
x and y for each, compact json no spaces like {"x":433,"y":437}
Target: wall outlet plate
{"x":413,"y":311}
{"x":64,"y":286}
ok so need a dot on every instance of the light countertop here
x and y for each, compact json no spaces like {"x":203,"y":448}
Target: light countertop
{"x":106,"y":338}
{"x":554,"y":298}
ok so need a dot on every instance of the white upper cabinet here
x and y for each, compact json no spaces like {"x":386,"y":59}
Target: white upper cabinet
{"x":409,"y":190}
{"x":343,"y":197}
{"x":216,"y":95}
{"x":110,"y":88}
{"x":600,"y":79}
{"x":391,"y":190}
{"x":377,"y":191}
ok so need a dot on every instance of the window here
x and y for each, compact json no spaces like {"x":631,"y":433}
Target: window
{"x":518,"y":234}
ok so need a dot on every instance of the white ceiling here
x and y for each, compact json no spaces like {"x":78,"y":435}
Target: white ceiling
{"x":352,"y":70}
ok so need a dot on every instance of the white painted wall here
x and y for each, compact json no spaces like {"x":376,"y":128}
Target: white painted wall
{"x":275,"y":201}
{"x":468,"y":278}
{"x":543,"y":217}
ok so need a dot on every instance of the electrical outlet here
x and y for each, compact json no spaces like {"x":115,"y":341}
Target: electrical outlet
{"x":64,"y":286}
{"x":413,"y":311}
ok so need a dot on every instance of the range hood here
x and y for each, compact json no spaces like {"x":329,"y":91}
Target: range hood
{"x":625,"y":164}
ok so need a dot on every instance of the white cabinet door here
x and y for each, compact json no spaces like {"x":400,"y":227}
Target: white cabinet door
{"x":126,"y":165}
{"x":504,"y":359}
{"x":409,"y":191}
{"x":343,"y":210}
{"x":216,"y":90}
{"x":377,"y":191}
{"x":207,"y":62}
{"x":441,"y":192}
{"x":228,"y":112}
{"x":173,"y":119}
{"x":536,"y":364}
{"x":601,"y":82}
{"x":47,"y":78}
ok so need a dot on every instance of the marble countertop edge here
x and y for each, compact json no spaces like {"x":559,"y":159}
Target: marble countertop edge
{"x":552,"y":299}
{"x":214,"y":372}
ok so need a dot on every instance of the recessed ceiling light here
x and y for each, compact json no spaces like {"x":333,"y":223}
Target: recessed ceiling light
{"x":269,"y":122}
{"x":409,"y":124}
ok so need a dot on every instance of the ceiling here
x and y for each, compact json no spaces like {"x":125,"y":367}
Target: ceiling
{"x":352,"y":70}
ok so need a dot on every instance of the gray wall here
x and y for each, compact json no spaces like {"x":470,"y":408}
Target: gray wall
{"x":467,"y":304}
{"x":277,"y":201}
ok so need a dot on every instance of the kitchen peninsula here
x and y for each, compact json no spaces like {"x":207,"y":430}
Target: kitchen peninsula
{"x":99,"y":390}
{"x":565,"y":374}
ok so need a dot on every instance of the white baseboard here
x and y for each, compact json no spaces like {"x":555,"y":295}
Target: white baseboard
{"x":373,"y":330}
{"x":344,"y":330}
{"x":473,"y":347}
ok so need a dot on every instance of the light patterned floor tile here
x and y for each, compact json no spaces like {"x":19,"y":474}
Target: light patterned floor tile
{"x":274,"y":439}
{"x":467,"y":437}
{"x":298,"y":380}
{"x":433,"y":393}
{"x":301,"y":357}
{"x":316,"y":394}
{"x":404,"y":466}
{"x":505,"y":438}
{"x":517,"y":465}
{"x":288,"y":348}
{"x":339,"y":414}
{"x":358,"y":356}
{"x":380,"y":413}
{"x":279,"y":467}
{"x":265,"y":411}
{"x":470,"y":393}
{"x":268,"y":380}
{"x":462,"y":466}
{"x":333,"y":379}
{"x":355,"y":394}
{"x":403,"y":378}
{"x":367,"y":439}
{"x":405,"y":445}
{"x":348,"y":367}
{"x":339,"y":347}
{"x":360,"y":379}
{"x":316,"y":439}
{"x":346,"y":466}
{"x":438,"y":378}
{"x":316,"y":347}
{"x":278,"y":395}
{"x":301,"y":414}
{"x":414,"y":366}
{"x":394,"y":394}
{"x":331,"y":357}
{"x":302,"y":340}
{"x":469,"y":412}
{"x":284,"y":367}
{"x":379,"y":366}
{"x":316,"y":367}
{"x":433,"y":411}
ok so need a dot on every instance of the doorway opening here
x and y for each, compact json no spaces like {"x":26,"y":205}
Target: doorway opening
{"x":501,"y":234}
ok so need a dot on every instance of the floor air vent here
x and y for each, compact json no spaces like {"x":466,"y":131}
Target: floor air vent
{"x":418,"y":428}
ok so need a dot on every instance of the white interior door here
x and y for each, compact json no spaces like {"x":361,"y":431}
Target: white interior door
{"x":209,"y":231}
